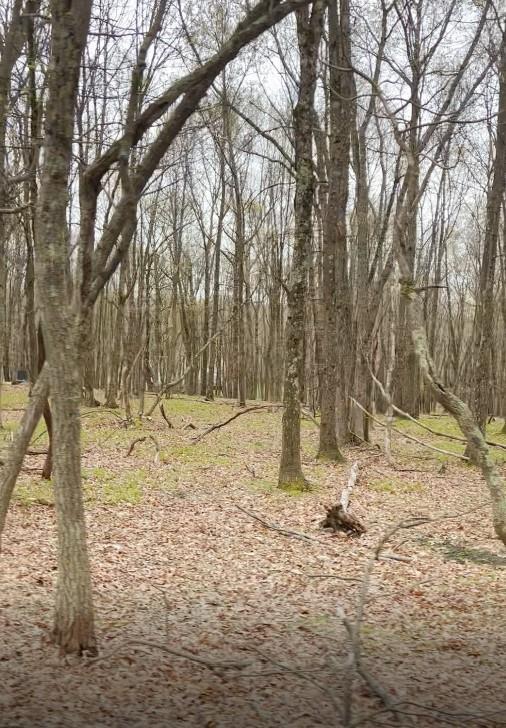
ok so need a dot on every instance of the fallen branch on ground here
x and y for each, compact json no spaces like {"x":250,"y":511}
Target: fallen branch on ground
{"x":282,"y":531}
{"x":143,"y":439}
{"x":346,"y":492}
{"x":402,"y":413}
{"x":169,"y":423}
{"x":219,"y":425}
{"x":410,"y":437}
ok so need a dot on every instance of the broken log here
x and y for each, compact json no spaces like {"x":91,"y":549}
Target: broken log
{"x":338,"y":517}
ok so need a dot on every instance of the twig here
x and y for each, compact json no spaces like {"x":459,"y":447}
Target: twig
{"x":302,"y":673}
{"x":411,"y":437}
{"x":272,"y":527}
{"x":353,"y":629}
{"x":143,"y":439}
{"x":211,"y":664}
{"x":246,"y":411}
{"x":162,"y":412}
{"x":402,"y":413}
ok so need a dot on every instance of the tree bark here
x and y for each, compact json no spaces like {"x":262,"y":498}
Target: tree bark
{"x":29,"y":421}
{"x":74,"y":619}
{"x":484,"y":324}
{"x":336,"y":320}
{"x":309,"y":29}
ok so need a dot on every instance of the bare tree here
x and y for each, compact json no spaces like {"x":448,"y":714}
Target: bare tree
{"x":309,"y":30}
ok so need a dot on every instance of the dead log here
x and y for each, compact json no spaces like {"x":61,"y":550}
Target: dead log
{"x":338,"y":517}
{"x":338,"y":520}
{"x":244,"y":411}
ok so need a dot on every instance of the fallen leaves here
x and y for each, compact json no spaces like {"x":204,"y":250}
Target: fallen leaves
{"x":184,"y":581}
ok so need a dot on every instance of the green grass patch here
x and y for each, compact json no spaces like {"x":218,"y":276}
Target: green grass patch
{"x":296,"y":489}
{"x":103,"y":486}
{"x":99,"y":486}
{"x":262,"y":485}
{"x":193,"y":408}
{"x":34,"y":493}
{"x":14,"y":396}
{"x":393,"y":486}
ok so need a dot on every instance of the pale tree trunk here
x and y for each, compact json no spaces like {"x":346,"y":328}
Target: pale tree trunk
{"x":74,"y":619}
{"x":11,"y":468}
{"x":309,"y":28}
{"x":484,"y":323}
{"x":452,"y":404}
{"x":113,"y":375}
{"x":393,"y":304}
{"x":364,"y":298}
{"x":88,"y":362}
{"x":211,"y":375}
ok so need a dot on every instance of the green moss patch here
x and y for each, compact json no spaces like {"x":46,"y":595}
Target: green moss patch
{"x":393,"y":486}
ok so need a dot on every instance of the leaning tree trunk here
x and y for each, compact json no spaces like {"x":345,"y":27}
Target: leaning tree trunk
{"x":74,"y":619}
{"x":447,"y":399}
{"x":309,"y":27}
{"x":16,"y":454}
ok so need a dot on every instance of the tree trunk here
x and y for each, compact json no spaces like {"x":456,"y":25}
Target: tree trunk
{"x":309,"y":28}
{"x":335,"y":287}
{"x":12,"y":41}
{"x":484,"y":324}
{"x":17,"y":450}
{"x":74,"y":620}
{"x":211,"y":375}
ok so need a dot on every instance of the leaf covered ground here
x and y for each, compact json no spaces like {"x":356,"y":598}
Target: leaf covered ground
{"x":205,"y":617}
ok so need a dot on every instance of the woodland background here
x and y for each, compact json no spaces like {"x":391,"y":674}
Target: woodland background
{"x":250,"y":255}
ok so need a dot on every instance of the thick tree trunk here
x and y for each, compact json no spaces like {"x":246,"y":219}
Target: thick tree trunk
{"x":335,"y":320}
{"x":74,"y":621}
{"x":309,"y":27}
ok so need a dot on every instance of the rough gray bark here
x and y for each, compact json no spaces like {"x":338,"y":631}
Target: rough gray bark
{"x":74,"y":619}
{"x":309,"y":29}
{"x":335,"y":319}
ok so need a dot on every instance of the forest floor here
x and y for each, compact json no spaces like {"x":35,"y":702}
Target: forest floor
{"x":206,"y":617}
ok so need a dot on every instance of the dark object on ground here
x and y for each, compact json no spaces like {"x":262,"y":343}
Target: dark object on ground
{"x":338,"y":520}
{"x":169,"y":423}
